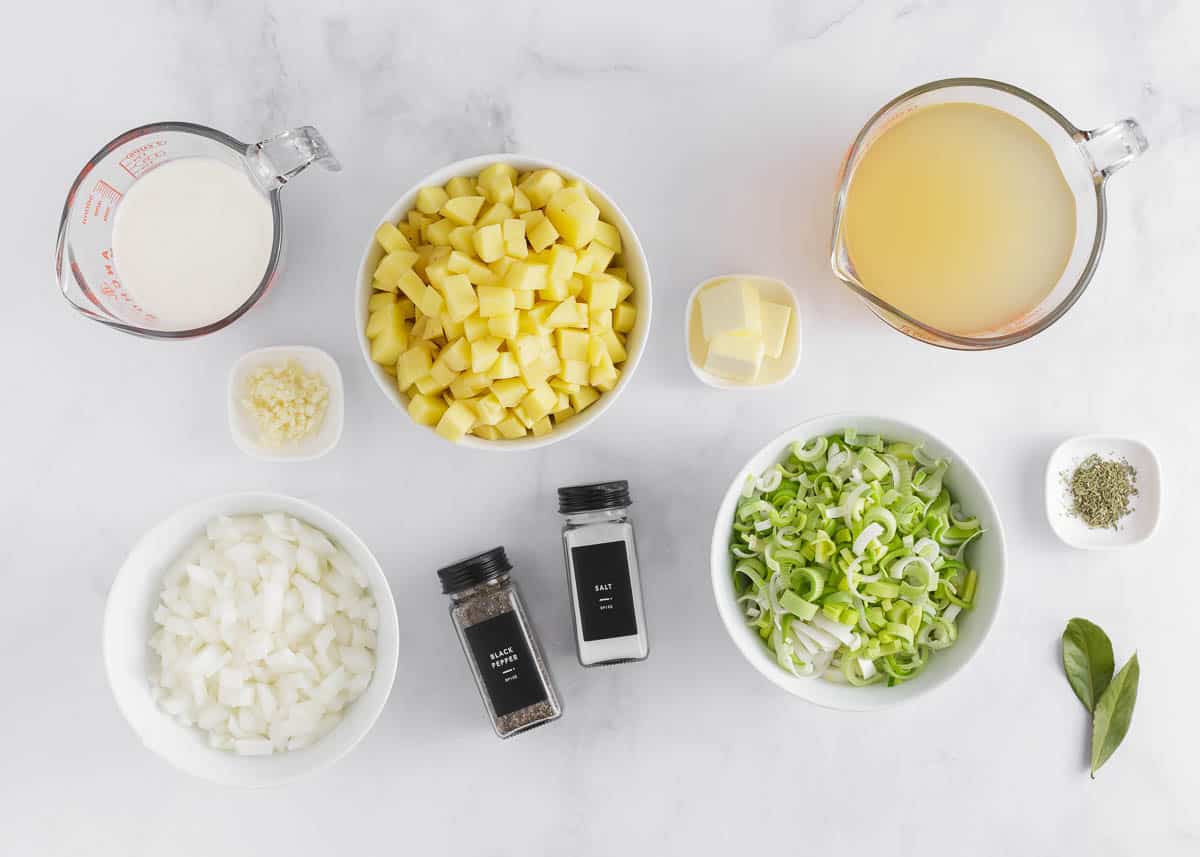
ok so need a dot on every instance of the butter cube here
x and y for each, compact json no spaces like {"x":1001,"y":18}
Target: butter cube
{"x":736,"y":356}
{"x":730,"y":307}
{"x":775,"y":320}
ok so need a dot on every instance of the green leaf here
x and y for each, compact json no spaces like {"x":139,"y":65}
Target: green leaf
{"x":1088,"y":660}
{"x":1114,"y":711}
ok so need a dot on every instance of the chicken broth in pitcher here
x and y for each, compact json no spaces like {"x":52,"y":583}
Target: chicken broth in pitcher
{"x":959,"y":216}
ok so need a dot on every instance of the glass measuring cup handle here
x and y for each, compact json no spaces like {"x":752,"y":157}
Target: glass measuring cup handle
{"x":276,"y":160}
{"x":1114,"y":146}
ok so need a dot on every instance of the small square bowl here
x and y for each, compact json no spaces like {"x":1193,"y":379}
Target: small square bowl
{"x":783,"y":367}
{"x":241,"y":423}
{"x":1135,"y":527}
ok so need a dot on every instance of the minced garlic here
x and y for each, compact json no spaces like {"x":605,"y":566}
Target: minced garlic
{"x":286,"y":402}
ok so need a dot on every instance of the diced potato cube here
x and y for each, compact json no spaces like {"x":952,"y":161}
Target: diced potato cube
{"x":461,"y":186}
{"x":562,"y":262}
{"x":624,"y":317}
{"x":478,"y":273}
{"x":493,"y":214}
{"x":542,"y":427}
{"x":540,"y":185}
{"x":511,"y":428}
{"x":486,"y":432}
{"x":603,"y":375}
{"x":583,"y":398}
{"x":513,"y":231}
{"x":461,"y":301}
{"x":499,"y":168}
{"x":542,"y":235}
{"x":572,"y":344}
{"x":563,"y":315}
{"x":432,"y":328}
{"x":462,"y":209}
{"x":430,"y":200}
{"x":608,"y":235}
{"x":379,"y":300}
{"x":525,"y":348}
{"x":571,"y":192}
{"x":519,"y":413}
{"x":452,"y":330}
{"x":524,"y":299}
{"x":583,"y":321}
{"x":575,"y":286}
{"x":503,"y":326}
{"x":575,"y":372}
{"x":456,"y":356}
{"x":594,"y":259}
{"x":509,"y":391}
{"x":520,"y":203}
{"x":624,"y":289}
{"x":489,"y":410}
{"x":564,"y":386}
{"x":468,"y":384}
{"x":411,"y":233}
{"x":431,"y":303}
{"x":391,"y":239}
{"x":418,"y":328}
{"x":575,"y":222}
{"x":426,"y":410}
{"x":599,"y":319}
{"x":489,"y":243}
{"x":523,"y":276}
{"x":495,"y":301}
{"x":437,"y":272}
{"x":563,"y":407}
{"x":429,"y":386}
{"x":392,"y":267}
{"x":601,"y":291}
{"x":538,"y":401}
{"x":391,"y":340}
{"x":506,"y":366}
{"x":462,"y":239}
{"x":418,"y":220}
{"x":382,"y":318}
{"x":496,"y":185}
{"x":616,"y":350}
{"x":407,"y":308}
{"x":456,"y":421}
{"x":556,"y":290}
{"x":484,"y":353}
{"x":534,"y":320}
{"x":475,"y":327}
{"x":596,"y":350}
{"x":438,"y":232}
{"x":442,"y":372}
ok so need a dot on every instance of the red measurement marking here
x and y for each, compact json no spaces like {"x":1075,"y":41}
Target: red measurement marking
{"x":101,"y":201}
{"x":111,"y":288}
{"x":141,"y":158}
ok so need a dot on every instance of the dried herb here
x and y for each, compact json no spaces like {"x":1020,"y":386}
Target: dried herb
{"x":1088,"y":662}
{"x":1101,"y":490}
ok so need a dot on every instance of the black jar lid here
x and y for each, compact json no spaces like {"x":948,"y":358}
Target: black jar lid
{"x":594,"y":497}
{"x":474,"y":570}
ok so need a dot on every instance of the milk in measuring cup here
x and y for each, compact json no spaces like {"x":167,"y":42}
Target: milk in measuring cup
{"x":192,"y":241}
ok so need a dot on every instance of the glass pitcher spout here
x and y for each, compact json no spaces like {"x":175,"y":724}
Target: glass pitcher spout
{"x":276,"y":160}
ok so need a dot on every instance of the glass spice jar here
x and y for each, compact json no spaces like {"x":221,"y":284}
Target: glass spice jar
{"x":602,"y":573}
{"x":501,"y":647}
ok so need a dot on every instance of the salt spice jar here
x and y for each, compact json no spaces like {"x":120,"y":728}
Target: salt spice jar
{"x":602,"y":573}
{"x":501,"y":647}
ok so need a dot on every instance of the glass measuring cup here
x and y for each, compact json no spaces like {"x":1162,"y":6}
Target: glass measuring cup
{"x":88,"y":274}
{"x":1086,"y":158}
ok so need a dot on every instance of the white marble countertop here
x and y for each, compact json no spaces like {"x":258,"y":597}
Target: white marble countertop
{"x":720,"y":133}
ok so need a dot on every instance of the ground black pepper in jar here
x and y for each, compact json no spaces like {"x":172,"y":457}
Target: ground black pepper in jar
{"x":501,"y":647}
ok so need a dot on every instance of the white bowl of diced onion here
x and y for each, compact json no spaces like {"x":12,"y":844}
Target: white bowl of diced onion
{"x":131,"y":664}
{"x":633,"y":258}
{"x":986,"y":554}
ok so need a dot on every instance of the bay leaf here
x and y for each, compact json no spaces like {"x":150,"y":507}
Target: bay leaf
{"x":1114,"y":712}
{"x":1088,"y":660}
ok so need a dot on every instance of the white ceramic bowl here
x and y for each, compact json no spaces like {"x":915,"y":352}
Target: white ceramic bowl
{"x":241,"y":422}
{"x":128,"y":623}
{"x":632,"y":254}
{"x":986,"y":554}
{"x":783,"y":367}
{"x":1145,"y":506}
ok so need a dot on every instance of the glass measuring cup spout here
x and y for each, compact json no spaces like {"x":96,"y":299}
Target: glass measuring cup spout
{"x":88,"y":272}
{"x":1086,"y":159}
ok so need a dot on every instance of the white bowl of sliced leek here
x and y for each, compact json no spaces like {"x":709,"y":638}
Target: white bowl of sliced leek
{"x":855,"y":648}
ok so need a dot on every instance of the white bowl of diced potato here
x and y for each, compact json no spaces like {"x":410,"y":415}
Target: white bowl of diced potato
{"x":503,"y":302}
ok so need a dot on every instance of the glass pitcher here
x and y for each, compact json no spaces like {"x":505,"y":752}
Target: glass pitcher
{"x":1086,"y":158}
{"x":89,"y":276}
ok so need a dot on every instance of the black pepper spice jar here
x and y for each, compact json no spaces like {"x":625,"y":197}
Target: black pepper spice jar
{"x":501,"y":647}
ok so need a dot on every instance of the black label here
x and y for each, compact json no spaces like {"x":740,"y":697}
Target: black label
{"x":604,"y":591}
{"x":509,"y":673}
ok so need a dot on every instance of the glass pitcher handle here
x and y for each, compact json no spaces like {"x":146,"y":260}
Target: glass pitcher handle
{"x":275,"y":160}
{"x":1114,"y":146}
